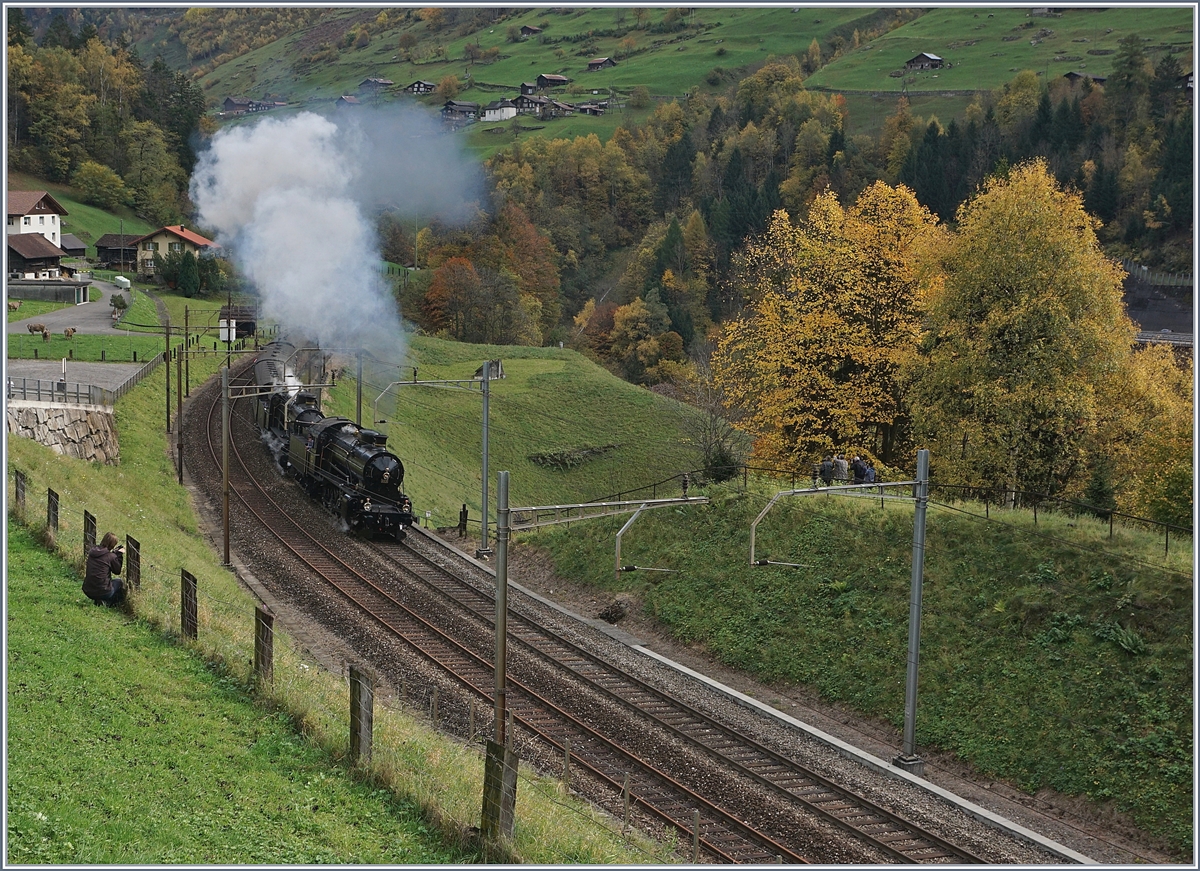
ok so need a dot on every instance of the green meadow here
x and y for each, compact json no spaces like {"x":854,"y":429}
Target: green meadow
{"x":984,"y":48}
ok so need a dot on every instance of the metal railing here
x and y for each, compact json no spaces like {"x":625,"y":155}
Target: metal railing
{"x":38,"y":390}
{"x":41,"y":390}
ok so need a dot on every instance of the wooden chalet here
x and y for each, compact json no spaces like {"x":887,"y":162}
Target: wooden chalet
{"x":116,"y":251}
{"x":373,"y":85}
{"x":346,"y":101}
{"x":600,"y":63}
{"x":457,"y":113}
{"x":73,"y":246}
{"x":531,"y":104}
{"x":32,"y":255}
{"x":1074,"y":78}
{"x":552,"y":81}
{"x":528,"y":30}
{"x":529,"y":87}
{"x":925,"y":61}
{"x":420,"y":87}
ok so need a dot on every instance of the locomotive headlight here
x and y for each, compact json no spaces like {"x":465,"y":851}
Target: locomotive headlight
{"x":386,"y":476}
{"x":367,"y":505}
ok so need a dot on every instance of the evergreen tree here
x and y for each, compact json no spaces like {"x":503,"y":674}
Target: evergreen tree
{"x":188,"y":280}
{"x":676,"y":173}
{"x":19,"y":31}
{"x":1103,"y":194}
{"x":58,"y":34}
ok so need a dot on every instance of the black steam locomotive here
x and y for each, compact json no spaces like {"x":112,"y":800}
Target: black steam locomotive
{"x":345,"y":467}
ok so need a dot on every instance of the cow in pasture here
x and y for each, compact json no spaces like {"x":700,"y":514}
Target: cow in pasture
{"x":36,"y":328}
{"x":14,"y":304}
{"x":69,"y":332}
{"x":45,"y":335}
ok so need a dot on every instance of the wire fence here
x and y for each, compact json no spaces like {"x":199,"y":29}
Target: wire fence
{"x":990,"y":497}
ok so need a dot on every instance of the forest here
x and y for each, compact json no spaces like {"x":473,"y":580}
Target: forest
{"x":833,"y":291}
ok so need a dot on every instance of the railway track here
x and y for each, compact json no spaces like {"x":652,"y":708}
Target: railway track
{"x":572,"y":701}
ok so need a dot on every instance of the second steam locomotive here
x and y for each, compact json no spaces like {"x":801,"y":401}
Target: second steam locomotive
{"x":340,"y":464}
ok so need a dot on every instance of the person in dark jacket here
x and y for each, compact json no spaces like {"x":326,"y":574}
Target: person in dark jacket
{"x":103,"y":562}
{"x":859,"y":469}
{"x":827,"y":470}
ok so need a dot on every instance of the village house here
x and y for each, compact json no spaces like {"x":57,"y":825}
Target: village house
{"x":32,"y":255}
{"x":35,"y":212}
{"x":499,"y":110}
{"x":458,"y":113}
{"x":346,"y":101}
{"x":372,"y":86}
{"x":528,"y":30}
{"x":242,"y":105}
{"x":529,"y":87}
{"x":557,"y":109}
{"x":531,"y":104}
{"x":600,"y":63}
{"x":420,"y":87}
{"x":551,"y":81}
{"x":116,"y":250}
{"x":925,"y":61}
{"x":73,"y":246}
{"x":589,"y":108}
{"x":1074,"y":78}
{"x":168,"y":240}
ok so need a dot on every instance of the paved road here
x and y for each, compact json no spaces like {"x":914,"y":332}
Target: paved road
{"x":89,"y":317}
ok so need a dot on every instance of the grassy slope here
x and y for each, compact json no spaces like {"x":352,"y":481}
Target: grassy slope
{"x":736,"y":39}
{"x":414,"y":765}
{"x":99,"y":777}
{"x":550,"y":400}
{"x":980,"y":57}
{"x":1050,"y":656}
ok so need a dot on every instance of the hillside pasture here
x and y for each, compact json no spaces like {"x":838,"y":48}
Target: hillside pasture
{"x":986,"y":47}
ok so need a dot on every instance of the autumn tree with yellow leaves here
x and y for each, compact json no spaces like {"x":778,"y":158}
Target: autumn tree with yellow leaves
{"x":816,"y":362}
{"x":1028,"y":379}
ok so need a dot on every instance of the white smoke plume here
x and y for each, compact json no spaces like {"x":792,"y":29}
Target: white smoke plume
{"x":292,"y":201}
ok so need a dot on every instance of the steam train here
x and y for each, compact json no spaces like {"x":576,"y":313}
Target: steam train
{"x":340,"y":464}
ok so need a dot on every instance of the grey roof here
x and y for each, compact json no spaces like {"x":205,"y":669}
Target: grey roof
{"x":70,"y":243}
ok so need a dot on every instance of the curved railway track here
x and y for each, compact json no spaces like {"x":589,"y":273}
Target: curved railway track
{"x":758,"y":831}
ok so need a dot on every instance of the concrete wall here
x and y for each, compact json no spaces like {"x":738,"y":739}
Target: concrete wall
{"x":48,"y":290}
{"x":86,"y":432}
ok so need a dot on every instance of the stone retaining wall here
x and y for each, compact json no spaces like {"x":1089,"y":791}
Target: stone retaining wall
{"x":86,"y":432}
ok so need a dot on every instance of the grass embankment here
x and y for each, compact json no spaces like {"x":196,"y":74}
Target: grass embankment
{"x":416,"y":802}
{"x":567,"y":430}
{"x":1051,"y":657}
{"x":125,"y":748}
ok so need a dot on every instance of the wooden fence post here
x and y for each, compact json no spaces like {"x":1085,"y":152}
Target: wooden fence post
{"x":52,"y":513}
{"x":264,"y":635}
{"x":499,"y":791}
{"x":89,"y":532}
{"x":133,"y":562}
{"x":20,"y":485}
{"x":362,"y":700}
{"x":187,"y":604}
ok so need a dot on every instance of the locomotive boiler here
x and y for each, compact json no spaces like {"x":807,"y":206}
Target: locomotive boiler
{"x":340,"y":464}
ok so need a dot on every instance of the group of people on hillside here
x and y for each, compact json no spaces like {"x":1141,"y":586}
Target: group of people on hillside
{"x":834,"y":470}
